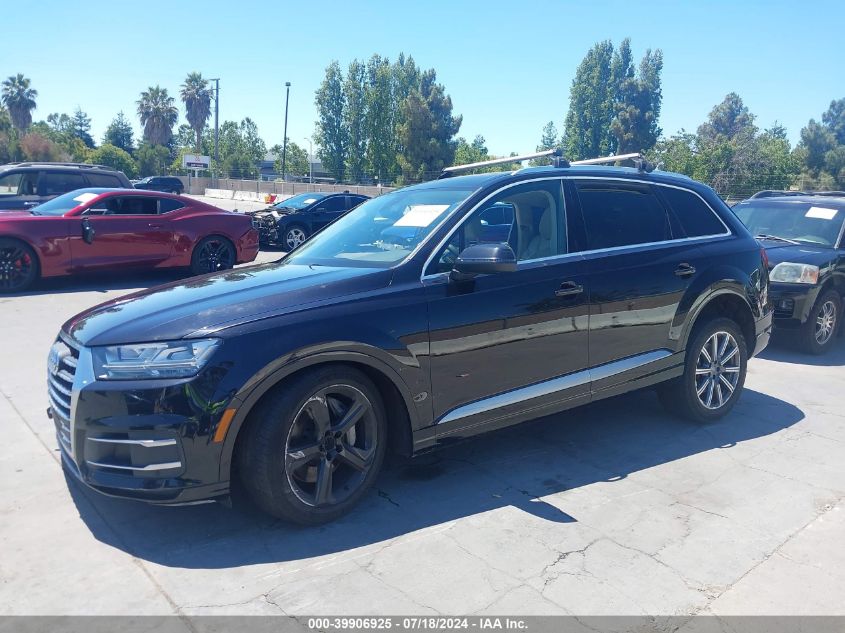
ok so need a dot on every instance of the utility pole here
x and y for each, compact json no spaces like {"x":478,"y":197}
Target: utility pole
{"x":216,"y":122}
{"x":285,"y":139}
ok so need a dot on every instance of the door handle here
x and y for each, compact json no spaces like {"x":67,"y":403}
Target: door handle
{"x":31,"y":204}
{"x":685,"y":270}
{"x":569,"y":289}
{"x":154,"y":226}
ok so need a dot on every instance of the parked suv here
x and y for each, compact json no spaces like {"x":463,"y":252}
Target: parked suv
{"x":506,"y":297}
{"x":168,"y":184}
{"x":26,"y":185}
{"x":290,"y":222}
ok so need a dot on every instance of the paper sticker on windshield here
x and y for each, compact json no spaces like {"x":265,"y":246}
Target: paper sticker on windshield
{"x":822,"y":213}
{"x":421,"y":215}
{"x":82,"y":198}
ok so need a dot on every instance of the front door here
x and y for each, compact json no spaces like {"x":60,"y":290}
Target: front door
{"x":128,"y":231}
{"x":507,"y":343}
{"x":328,"y":211}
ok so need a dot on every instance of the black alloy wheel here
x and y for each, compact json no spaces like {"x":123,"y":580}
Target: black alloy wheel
{"x":18,"y":266}
{"x":313,"y":446}
{"x":212,"y":254}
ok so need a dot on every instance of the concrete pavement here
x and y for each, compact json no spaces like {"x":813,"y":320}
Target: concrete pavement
{"x":615,"y":508}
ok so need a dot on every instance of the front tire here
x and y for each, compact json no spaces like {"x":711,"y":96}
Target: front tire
{"x":294,"y":236}
{"x":212,"y":254}
{"x":818,"y":333}
{"x":18,"y":266}
{"x":314,"y":447}
{"x":714,"y":373}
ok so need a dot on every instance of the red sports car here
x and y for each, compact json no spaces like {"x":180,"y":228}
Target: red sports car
{"x":105,"y":229}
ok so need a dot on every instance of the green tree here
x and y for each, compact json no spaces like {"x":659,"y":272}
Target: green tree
{"x":834,"y":120}
{"x":728,"y":120}
{"x":426,"y":131}
{"x":816,"y":141}
{"x":331,"y":134}
{"x":116,"y":158}
{"x":296,"y":159}
{"x":587,"y":126}
{"x":548,"y":140}
{"x":152,"y":159}
{"x":637,"y":107}
{"x":196,"y":96}
{"x":119,"y":134}
{"x":355,"y":120}
{"x":19,"y":100}
{"x":80,"y":127}
{"x":381,"y":120}
{"x":158,"y":115}
{"x":467,"y":153}
{"x":8,"y":140}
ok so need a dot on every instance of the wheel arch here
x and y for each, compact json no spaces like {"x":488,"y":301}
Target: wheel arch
{"x":726,"y":303}
{"x":34,"y":248}
{"x":396,"y":396}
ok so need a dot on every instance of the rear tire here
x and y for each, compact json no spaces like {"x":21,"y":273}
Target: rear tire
{"x":818,"y":334}
{"x":18,"y":265}
{"x":212,"y":254}
{"x":294,"y":236}
{"x":714,"y":373}
{"x":313,"y":448}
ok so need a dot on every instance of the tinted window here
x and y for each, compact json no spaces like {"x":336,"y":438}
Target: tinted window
{"x":695,"y":217}
{"x":338,"y":203}
{"x":132,"y":205}
{"x":354,"y":201}
{"x":622,"y":215}
{"x":104,"y":180}
{"x":55,"y":183}
{"x":18,"y":184}
{"x":530,"y":218}
{"x":166,"y":205}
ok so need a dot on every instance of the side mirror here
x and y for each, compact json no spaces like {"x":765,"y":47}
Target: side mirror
{"x":88,"y":231}
{"x":483,"y":259}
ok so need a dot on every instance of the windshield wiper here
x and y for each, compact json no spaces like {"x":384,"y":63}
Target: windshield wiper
{"x":776,"y":238}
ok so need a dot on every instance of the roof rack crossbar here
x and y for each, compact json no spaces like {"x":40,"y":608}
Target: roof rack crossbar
{"x":33,"y":163}
{"x":638,"y":159}
{"x":449,"y":171}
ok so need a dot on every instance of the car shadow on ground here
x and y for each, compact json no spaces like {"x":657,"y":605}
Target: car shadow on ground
{"x":785,"y":349}
{"x":103,"y":282}
{"x":519,"y":467}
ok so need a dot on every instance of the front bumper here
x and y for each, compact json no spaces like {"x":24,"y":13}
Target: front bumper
{"x":763,"y":332}
{"x":145,"y":440}
{"x":266,"y":226}
{"x":792,"y":303}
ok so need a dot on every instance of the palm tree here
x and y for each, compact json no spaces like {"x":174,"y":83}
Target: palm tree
{"x":158,"y":115}
{"x":197,"y":98}
{"x":19,"y":99}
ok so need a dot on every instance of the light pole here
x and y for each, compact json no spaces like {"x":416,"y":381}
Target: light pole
{"x":285,"y":138}
{"x":310,"y":161}
{"x":216,"y":122}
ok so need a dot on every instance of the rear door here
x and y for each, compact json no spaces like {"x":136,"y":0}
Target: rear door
{"x":128,"y":231}
{"x":327,"y":211}
{"x":55,"y":183}
{"x":640,"y":268}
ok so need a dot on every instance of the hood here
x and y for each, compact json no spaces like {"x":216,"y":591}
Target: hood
{"x":202,"y":306}
{"x":798,"y":253}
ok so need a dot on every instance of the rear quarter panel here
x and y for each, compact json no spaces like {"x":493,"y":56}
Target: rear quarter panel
{"x":197,"y":221}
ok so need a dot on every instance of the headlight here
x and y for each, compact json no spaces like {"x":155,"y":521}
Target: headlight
{"x":795,"y":273}
{"x":140,"y":361}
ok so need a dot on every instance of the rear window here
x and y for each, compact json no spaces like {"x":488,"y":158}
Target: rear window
{"x":166,"y":205}
{"x":696,"y":218}
{"x":622,"y":215}
{"x":56,"y":183}
{"x":105,"y":180}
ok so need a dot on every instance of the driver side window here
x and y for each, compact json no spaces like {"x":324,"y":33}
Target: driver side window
{"x":529,"y":218}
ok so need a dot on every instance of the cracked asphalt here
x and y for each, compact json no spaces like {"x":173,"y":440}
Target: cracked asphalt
{"x":615,"y":508}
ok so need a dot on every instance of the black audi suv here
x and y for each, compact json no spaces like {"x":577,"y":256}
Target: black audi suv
{"x":803,"y":237}
{"x":424,"y":316}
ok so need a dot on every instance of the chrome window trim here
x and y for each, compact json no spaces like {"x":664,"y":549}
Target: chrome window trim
{"x":841,"y":234}
{"x":475,"y":208}
{"x":554,"y":385}
{"x":573,"y":254}
{"x":144,"y":443}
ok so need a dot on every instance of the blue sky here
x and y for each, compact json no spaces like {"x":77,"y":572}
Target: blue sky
{"x":507,"y":65}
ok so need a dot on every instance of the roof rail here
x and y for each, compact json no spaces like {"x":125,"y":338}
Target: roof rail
{"x":50,"y":163}
{"x":638,"y":159}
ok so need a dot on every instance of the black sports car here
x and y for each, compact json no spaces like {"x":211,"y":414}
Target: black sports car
{"x":803,"y":238}
{"x":290,"y":222}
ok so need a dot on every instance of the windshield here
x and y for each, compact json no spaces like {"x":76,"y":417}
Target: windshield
{"x":145,"y":180}
{"x":382,"y":231}
{"x":300,"y":201}
{"x":799,"y":221}
{"x":64,"y":203}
